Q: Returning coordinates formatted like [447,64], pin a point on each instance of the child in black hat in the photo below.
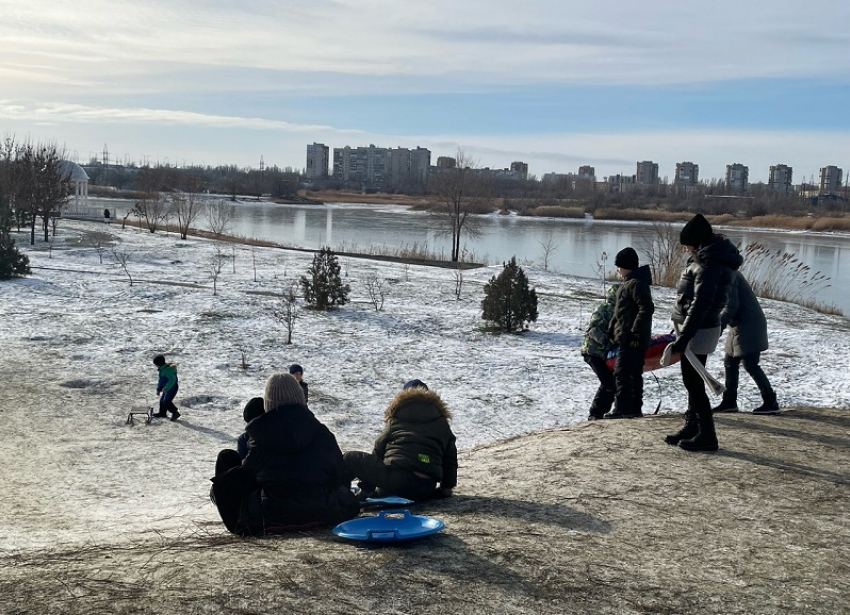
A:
[167,386]
[630,329]
[298,373]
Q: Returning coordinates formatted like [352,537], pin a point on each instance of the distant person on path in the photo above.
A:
[594,351]
[631,330]
[745,341]
[701,296]
[167,387]
[415,456]
[298,373]
[293,477]
[254,408]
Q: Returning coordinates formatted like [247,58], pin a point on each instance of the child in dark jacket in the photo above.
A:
[167,386]
[631,330]
[253,409]
[415,456]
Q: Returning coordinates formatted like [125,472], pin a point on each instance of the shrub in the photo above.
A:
[508,301]
[323,288]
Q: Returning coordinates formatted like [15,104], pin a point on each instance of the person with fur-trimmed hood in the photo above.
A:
[415,456]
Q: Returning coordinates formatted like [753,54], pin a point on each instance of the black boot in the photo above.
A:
[689,430]
[706,439]
[728,404]
[770,406]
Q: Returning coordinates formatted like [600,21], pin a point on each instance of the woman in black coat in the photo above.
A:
[701,296]
[293,476]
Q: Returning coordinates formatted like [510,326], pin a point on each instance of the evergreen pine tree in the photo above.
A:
[508,301]
[12,262]
[323,287]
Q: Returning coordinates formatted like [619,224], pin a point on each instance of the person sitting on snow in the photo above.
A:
[415,456]
[253,409]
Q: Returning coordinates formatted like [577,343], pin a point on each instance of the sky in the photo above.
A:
[80,341]
[552,83]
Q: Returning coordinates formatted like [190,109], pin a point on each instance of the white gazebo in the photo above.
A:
[77,204]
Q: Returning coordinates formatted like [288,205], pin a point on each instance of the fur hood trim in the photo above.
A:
[416,395]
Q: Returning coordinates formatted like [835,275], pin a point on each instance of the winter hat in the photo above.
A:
[254,408]
[696,232]
[626,258]
[295,368]
[414,383]
[159,360]
[282,389]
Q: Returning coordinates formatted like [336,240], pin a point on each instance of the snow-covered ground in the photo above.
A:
[82,475]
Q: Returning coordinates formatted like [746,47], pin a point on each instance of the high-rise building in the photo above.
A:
[647,173]
[317,161]
[446,162]
[830,179]
[521,168]
[737,177]
[369,166]
[687,174]
[780,178]
[587,172]
[409,166]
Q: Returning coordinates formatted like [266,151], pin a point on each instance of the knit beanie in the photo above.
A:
[159,360]
[254,408]
[295,368]
[414,383]
[282,389]
[626,258]
[696,232]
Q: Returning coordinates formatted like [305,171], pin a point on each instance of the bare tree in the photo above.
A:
[122,258]
[602,269]
[215,265]
[286,309]
[664,254]
[548,244]
[98,246]
[458,281]
[152,206]
[42,183]
[462,191]
[188,206]
[244,362]
[219,217]
[376,290]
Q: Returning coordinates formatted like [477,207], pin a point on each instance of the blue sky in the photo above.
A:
[556,84]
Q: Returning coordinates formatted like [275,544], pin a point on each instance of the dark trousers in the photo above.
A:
[374,473]
[731,367]
[607,388]
[628,380]
[166,401]
[231,485]
[695,386]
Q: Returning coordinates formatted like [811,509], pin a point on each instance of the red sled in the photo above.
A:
[652,357]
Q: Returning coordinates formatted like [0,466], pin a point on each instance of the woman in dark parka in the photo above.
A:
[293,476]
[701,296]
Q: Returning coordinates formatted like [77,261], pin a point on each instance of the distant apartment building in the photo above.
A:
[446,162]
[647,173]
[737,177]
[620,183]
[318,161]
[830,179]
[552,178]
[521,168]
[369,166]
[687,174]
[587,172]
[779,179]
[409,166]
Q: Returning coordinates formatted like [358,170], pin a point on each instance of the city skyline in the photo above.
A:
[555,86]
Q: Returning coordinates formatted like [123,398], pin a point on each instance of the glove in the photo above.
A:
[680,344]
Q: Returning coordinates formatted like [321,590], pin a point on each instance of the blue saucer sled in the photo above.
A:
[389,526]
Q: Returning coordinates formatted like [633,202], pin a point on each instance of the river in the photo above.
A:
[579,245]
